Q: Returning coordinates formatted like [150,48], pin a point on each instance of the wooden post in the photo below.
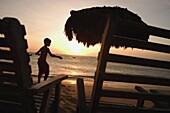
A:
[57,96]
[98,82]
[55,104]
[81,106]
[45,101]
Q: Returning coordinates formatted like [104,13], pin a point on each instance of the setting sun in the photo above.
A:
[63,46]
[75,48]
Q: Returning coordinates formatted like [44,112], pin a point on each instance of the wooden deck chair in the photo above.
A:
[17,92]
[101,75]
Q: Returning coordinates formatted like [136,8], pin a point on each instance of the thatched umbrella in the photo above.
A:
[87,25]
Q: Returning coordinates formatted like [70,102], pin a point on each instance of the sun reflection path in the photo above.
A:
[74,73]
[70,81]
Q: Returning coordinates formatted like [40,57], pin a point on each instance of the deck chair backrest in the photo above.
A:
[18,94]
[111,36]
[142,45]
[14,64]
[15,71]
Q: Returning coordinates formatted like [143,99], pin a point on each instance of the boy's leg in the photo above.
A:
[39,77]
[45,77]
[40,73]
[46,72]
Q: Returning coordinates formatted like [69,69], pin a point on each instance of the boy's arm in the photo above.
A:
[58,56]
[52,55]
[38,52]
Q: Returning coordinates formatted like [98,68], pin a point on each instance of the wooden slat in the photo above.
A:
[5,55]
[24,45]
[134,95]
[8,78]
[3,27]
[11,107]
[9,88]
[10,93]
[138,61]
[10,97]
[131,26]
[129,42]
[6,66]
[126,109]
[151,30]
[159,32]
[43,86]
[4,42]
[144,79]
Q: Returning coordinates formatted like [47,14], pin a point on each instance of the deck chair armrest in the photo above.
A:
[45,85]
[81,106]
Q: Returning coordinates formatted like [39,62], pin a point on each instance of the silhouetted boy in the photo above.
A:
[42,63]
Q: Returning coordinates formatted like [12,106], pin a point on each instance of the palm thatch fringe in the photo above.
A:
[87,25]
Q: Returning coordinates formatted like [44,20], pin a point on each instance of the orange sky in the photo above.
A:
[46,18]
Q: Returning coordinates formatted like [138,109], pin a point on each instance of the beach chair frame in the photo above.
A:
[108,39]
[17,91]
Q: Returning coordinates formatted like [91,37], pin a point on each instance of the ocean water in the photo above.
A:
[85,66]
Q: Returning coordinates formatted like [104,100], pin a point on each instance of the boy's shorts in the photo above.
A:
[43,67]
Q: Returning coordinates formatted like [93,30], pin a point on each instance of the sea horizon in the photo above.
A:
[85,66]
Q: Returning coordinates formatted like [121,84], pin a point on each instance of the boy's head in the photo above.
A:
[47,41]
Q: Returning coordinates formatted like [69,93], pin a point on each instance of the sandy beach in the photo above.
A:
[68,97]
[69,94]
